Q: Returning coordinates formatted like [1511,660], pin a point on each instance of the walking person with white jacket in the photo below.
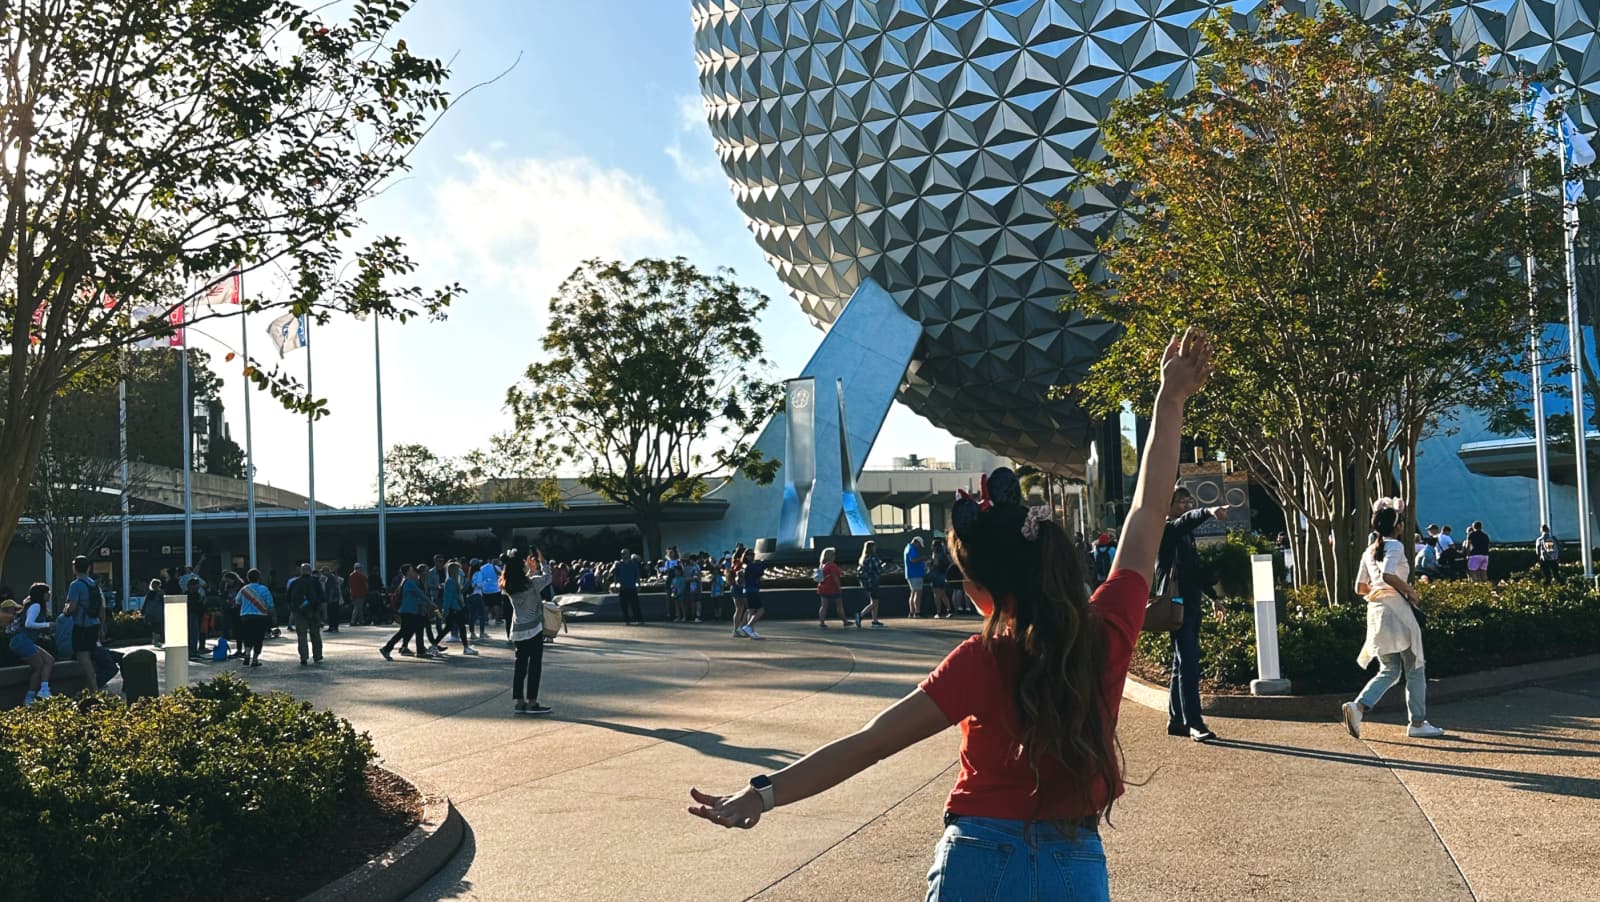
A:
[1394,637]
[527,630]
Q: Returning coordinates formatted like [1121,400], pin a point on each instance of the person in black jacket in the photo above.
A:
[1178,567]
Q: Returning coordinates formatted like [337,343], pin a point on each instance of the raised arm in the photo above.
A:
[1185,367]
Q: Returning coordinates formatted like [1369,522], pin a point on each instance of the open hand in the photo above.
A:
[742,810]
[1186,364]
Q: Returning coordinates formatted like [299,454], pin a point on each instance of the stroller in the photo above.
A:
[1453,562]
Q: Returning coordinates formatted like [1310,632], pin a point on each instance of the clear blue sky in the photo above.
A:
[593,145]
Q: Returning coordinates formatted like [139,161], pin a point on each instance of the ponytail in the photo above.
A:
[1383,523]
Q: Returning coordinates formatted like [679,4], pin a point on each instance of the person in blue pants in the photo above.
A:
[1178,567]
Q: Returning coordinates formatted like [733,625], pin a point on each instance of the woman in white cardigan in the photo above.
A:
[527,629]
[1394,637]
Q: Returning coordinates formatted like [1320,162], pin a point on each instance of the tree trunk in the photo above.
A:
[23,437]
[650,532]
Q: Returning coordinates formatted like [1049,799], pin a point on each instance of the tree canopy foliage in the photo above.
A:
[146,149]
[654,381]
[1339,203]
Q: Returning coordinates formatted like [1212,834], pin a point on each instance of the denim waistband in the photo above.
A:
[1088,822]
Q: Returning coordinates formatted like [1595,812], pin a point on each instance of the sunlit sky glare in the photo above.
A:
[592,145]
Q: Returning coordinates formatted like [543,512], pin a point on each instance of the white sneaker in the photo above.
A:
[744,631]
[435,650]
[470,651]
[750,631]
[1352,718]
[1424,730]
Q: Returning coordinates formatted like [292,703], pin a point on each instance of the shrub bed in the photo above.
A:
[105,800]
[1470,627]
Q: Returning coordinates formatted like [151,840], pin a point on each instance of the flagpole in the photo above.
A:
[1569,216]
[311,452]
[188,445]
[122,461]
[1541,451]
[383,505]
[249,439]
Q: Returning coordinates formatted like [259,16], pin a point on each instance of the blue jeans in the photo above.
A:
[1389,674]
[983,858]
[1183,702]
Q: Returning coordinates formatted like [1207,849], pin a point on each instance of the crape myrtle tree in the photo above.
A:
[146,149]
[1339,204]
[653,382]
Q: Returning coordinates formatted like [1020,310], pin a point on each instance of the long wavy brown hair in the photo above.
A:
[1042,600]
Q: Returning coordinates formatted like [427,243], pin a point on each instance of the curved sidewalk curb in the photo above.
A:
[1326,707]
[409,863]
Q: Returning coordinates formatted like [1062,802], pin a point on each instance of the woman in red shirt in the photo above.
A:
[1036,693]
[829,590]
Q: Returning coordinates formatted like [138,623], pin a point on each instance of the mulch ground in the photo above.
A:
[365,824]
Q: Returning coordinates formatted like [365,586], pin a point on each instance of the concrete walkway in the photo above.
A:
[590,803]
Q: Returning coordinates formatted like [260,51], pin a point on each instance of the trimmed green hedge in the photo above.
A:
[102,800]
[1470,627]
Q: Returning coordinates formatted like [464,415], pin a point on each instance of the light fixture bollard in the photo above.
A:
[175,640]
[1271,681]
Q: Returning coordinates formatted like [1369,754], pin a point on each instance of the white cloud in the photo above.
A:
[510,230]
[691,150]
[525,224]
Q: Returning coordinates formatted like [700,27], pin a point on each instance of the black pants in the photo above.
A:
[457,621]
[530,666]
[333,616]
[1547,571]
[436,630]
[630,605]
[252,632]
[410,625]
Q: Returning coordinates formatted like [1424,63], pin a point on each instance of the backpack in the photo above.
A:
[95,605]
[1549,549]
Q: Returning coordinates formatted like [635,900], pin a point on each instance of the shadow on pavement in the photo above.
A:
[712,744]
[1580,787]
[451,882]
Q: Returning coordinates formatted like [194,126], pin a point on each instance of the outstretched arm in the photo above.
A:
[909,720]
[1185,367]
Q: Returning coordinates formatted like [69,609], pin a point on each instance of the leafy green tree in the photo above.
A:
[1339,204]
[510,469]
[148,148]
[654,382]
[416,477]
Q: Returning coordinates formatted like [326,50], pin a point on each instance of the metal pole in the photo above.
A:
[1569,215]
[122,461]
[1536,383]
[249,439]
[383,505]
[311,455]
[188,450]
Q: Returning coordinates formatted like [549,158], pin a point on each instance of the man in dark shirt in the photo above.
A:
[1178,568]
[627,575]
[307,606]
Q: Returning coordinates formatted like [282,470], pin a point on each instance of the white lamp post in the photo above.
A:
[1271,681]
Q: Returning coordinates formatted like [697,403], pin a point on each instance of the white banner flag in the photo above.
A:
[225,291]
[288,333]
[174,318]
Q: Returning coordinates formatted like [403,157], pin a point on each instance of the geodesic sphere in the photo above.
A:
[920,141]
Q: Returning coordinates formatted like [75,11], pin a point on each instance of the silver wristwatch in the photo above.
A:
[763,786]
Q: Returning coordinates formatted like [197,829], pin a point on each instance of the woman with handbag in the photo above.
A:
[527,632]
[1036,693]
[1394,637]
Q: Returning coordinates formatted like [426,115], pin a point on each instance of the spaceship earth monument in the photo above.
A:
[919,142]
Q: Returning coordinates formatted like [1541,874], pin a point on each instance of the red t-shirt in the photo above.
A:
[830,580]
[975,687]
